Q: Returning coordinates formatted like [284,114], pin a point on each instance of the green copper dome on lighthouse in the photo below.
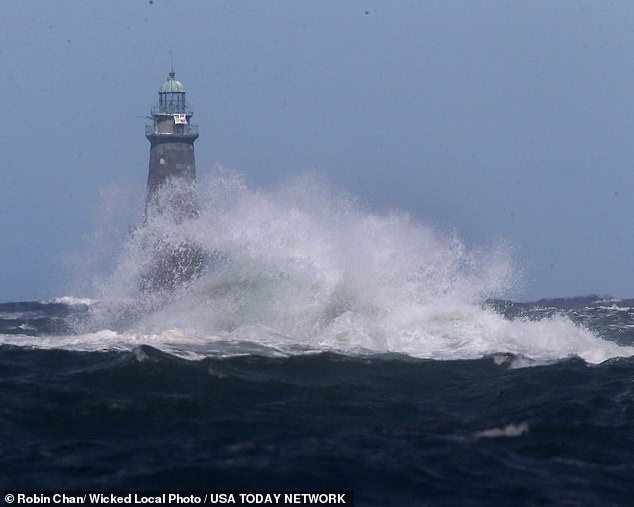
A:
[171,98]
[172,85]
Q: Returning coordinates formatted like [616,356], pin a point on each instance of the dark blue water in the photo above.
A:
[394,429]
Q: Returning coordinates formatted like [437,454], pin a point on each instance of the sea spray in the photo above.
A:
[304,268]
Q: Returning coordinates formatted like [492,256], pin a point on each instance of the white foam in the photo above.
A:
[304,268]
[508,431]
[15,315]
[68,300]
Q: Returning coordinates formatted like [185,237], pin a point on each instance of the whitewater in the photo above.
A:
[304,268]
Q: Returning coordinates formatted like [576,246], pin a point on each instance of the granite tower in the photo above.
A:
[172,160]
[171,194]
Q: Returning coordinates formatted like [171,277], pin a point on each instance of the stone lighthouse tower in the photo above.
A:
[172,260]
[172,162]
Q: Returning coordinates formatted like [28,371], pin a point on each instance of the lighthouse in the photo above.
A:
[172,162]
[172,260]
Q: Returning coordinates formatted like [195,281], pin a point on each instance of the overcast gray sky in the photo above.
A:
[505,120]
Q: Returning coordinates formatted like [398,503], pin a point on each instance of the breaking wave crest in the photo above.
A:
[303,267]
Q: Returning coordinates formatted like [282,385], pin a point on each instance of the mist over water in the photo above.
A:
[304,267]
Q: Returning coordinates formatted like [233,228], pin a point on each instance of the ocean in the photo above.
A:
[326,348]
